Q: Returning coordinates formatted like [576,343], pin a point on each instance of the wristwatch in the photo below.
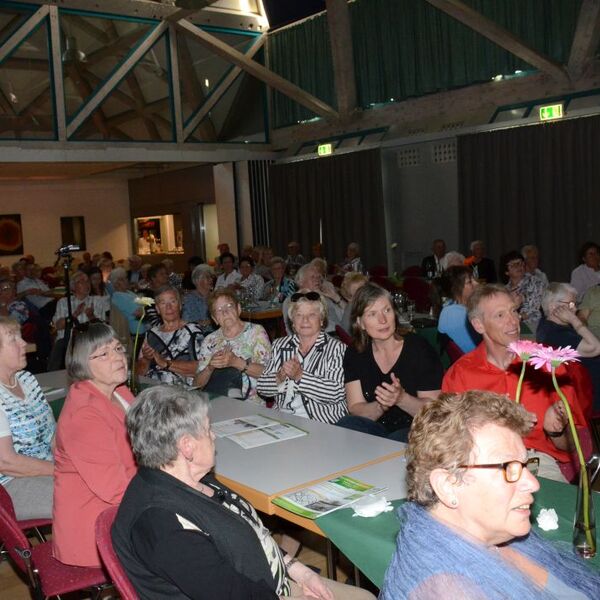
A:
[555,434]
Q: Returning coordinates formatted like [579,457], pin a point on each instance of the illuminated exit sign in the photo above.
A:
[325,149]
[553,111]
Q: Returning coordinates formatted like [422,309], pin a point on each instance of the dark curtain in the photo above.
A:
[538,184]
[408,48]
[345,192]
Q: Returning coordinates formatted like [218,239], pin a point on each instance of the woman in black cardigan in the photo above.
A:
[179,533]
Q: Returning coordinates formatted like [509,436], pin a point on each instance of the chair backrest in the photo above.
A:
[6,503]
[344,335]
[109,557]
[15,541]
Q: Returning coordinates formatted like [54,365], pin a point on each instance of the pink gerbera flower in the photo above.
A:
[524,349]
[548,357]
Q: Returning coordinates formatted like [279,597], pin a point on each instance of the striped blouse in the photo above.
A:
[321,387]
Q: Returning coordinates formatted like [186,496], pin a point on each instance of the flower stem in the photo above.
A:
[520,384]
[135,344]
[584,476]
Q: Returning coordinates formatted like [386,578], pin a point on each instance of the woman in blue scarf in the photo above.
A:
[465,530]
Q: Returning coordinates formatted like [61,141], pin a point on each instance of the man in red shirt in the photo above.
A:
[493,367]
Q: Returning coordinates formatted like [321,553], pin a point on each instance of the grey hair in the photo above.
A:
[302,271]
[555,292]
[525,250]
[75,277]
[168,288]
[452,259]
[8,324]
[118,273]
[474,243]
[201,271]
[158,419]
[82,345]
[168,263]
[322,302]
[483,292]
[276,260]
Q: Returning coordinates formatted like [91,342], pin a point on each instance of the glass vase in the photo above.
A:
[584,526]
[133,383]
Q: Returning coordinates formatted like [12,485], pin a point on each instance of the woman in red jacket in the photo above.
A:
[93,458]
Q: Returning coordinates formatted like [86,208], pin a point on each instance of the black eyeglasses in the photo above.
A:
[513,469]
[312,296]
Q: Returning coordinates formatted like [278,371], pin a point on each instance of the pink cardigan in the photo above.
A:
[93,465]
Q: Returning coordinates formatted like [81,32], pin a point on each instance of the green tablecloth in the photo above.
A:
[370,543]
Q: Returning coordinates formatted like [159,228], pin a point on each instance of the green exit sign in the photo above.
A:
[325,149]
[552,111]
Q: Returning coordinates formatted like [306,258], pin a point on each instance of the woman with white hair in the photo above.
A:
[309,278]
[305,375]
[562,327]
[195,302]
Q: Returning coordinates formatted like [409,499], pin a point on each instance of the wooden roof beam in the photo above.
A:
[340,38]
[257,70]
[586,38]
[500,36]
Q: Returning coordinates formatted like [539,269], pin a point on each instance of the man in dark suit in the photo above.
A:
[483,267]
[134,274]
[431,264]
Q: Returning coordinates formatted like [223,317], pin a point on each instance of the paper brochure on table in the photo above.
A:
[255,430]
[323,498]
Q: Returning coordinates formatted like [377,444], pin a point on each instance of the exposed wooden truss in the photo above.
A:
[586,38]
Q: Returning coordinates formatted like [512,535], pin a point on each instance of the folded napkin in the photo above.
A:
[371,506]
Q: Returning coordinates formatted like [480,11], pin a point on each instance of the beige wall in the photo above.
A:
[103,203]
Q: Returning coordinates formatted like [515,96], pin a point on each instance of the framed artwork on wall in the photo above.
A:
[72,231]
[11,235]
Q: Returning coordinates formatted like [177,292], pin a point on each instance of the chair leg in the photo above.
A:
[39,534]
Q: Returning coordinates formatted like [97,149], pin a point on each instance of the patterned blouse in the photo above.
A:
[253,343]
[29,421]
[183,344]
[237,505]
[531,289]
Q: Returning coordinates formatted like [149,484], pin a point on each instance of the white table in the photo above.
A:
[260,474]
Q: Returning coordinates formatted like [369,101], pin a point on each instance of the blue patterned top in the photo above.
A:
[29,421]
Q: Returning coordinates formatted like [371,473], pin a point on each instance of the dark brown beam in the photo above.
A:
[340,38]
[586,38]
[500,36]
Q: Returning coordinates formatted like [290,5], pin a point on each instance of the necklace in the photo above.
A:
[8,386]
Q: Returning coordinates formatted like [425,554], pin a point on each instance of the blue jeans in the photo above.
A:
[371,427]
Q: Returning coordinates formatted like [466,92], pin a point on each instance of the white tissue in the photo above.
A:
[547,519]
[371,506]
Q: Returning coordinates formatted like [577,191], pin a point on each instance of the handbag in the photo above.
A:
[229,382]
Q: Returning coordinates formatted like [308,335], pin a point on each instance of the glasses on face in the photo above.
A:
[104,355]
[570,304]
[219,310]
[513,469]
[312,296]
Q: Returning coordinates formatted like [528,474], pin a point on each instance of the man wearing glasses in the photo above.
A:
[493,313]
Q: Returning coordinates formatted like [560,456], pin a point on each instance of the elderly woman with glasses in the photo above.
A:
[465,530]
[180,533]
[170,351]
[524,287]
[233,357]
[305,375]
[93,459]
[562,327]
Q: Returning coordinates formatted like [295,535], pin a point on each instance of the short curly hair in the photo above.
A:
[441,436]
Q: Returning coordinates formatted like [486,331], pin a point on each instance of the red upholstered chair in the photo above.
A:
[343,335]
[26,525]
[109,557]
[46,575]
[378,271]
[453,351]
[419,291]
[413,271]
[570,469]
